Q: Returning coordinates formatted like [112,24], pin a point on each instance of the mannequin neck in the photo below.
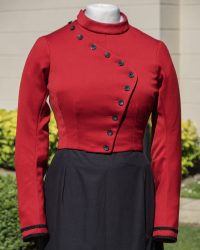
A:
[105,13]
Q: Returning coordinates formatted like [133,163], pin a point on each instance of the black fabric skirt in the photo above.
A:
[97,201]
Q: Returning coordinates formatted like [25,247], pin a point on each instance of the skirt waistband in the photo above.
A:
[85,158]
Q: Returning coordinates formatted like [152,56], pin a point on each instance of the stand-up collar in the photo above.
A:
[95,26]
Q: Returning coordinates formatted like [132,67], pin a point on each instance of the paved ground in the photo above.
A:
[189,208]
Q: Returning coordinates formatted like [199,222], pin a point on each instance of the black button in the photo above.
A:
[80,36]
[70,22]
[121,102]
[115,117]
[105,147]
[109,132]
[120,62]
[93,46]
[107,54]
[72,27]
[131,74]
[126,87]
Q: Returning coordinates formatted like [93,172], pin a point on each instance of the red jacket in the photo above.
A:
[103,82]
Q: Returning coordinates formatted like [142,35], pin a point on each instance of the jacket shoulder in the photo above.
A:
[143,36]
[58,33]
[152,46]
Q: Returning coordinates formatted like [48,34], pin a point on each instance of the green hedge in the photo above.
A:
[7,137]
[190,147]
[10,236]
[190,141]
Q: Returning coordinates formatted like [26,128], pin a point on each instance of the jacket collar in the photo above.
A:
[99,27]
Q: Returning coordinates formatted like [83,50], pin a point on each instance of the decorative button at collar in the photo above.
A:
[72,27]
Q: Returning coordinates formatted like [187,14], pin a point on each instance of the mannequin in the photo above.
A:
[105,13]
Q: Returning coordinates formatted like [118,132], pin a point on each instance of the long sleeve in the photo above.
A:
[166,149]
[32,140]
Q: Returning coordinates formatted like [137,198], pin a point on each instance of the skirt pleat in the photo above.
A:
[96,201]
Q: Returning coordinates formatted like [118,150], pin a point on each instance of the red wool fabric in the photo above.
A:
[98,77]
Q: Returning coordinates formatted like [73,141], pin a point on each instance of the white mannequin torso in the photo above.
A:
[105,13]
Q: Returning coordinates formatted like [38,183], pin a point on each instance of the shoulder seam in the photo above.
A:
[49,50]
[158,48]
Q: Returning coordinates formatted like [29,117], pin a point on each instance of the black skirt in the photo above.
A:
[97,201]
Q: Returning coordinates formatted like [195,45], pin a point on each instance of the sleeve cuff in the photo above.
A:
[33,237]
[30,232]
[165,234]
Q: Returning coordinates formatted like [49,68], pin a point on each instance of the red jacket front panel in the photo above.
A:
[98,77]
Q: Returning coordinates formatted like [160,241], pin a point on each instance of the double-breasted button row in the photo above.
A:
[72,27]
[126,87]
[110,132]
[107,54]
